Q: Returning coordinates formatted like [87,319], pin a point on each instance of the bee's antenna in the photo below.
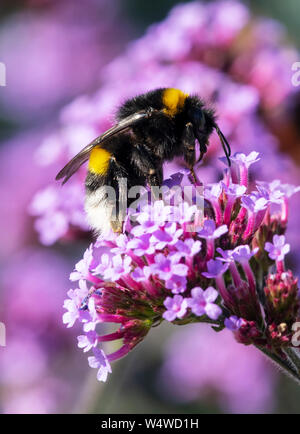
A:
[225,144]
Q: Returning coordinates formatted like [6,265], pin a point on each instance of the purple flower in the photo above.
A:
[140,274]
[99,361]
[73,303]
[87,341]
[141,245]
[169,235]
[152,217]
[245,160]
[56,209]
[183,213]
[215,269]
[90,318]
[254,204]
[187,248]
[243,253]
[177,284]
[120,266]
[234,190]
[233,323]
[52,227]
[271,192]
[226,255]
[82,268]
[165,268]
[202,302]
[214,192]
[209,230]
[122,245]
[278,249]
[104,264]
[72,315]
[176,308]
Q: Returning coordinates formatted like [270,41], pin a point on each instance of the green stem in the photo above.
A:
[284,365]
[294,357]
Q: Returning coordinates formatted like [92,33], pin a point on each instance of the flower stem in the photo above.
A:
[250,226]
[210,248]
[250,277]
[244,176]
[294,357]
[285,211]
[235,274]
[284,365]
[228,210]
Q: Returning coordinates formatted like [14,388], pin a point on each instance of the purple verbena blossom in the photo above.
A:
[99,361]
[176,307]
[215,269]
[202,302]
[233,323]
[278,248]
[210,231]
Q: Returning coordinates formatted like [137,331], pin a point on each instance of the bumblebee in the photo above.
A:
[150,129]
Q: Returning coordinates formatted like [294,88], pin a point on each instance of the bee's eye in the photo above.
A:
[198,118]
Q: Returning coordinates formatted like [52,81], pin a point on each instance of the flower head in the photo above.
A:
[202,302]
[176,307]
[215,268]
[278,248]
[100,362]
[245,160]
[210,231]
[243,253]
[233,323]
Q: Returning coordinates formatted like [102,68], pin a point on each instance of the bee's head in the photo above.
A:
[204,122]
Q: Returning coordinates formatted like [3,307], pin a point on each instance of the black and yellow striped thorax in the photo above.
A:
[173,101]
[99,161]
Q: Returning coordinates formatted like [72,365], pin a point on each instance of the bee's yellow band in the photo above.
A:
[173,100]
[99,161]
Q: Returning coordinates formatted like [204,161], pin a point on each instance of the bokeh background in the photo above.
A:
[68,65]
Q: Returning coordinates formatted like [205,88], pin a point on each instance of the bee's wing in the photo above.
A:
[82,156]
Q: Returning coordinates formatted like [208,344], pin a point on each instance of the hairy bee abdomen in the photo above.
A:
[106,198]
[97,207]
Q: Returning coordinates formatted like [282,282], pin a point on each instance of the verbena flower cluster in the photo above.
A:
[225,268]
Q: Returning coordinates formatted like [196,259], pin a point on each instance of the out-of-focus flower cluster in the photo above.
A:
[225,268]
[59,57]
[215,50]
[202,364]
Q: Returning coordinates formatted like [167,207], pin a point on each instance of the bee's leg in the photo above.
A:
[119,184]
[189,153]
[144,163]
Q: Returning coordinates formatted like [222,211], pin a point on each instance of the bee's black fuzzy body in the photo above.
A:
[151,129]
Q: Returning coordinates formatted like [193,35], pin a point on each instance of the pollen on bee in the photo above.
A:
[173,100]
[99,160]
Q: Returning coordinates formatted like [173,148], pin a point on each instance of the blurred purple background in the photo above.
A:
[69,65]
